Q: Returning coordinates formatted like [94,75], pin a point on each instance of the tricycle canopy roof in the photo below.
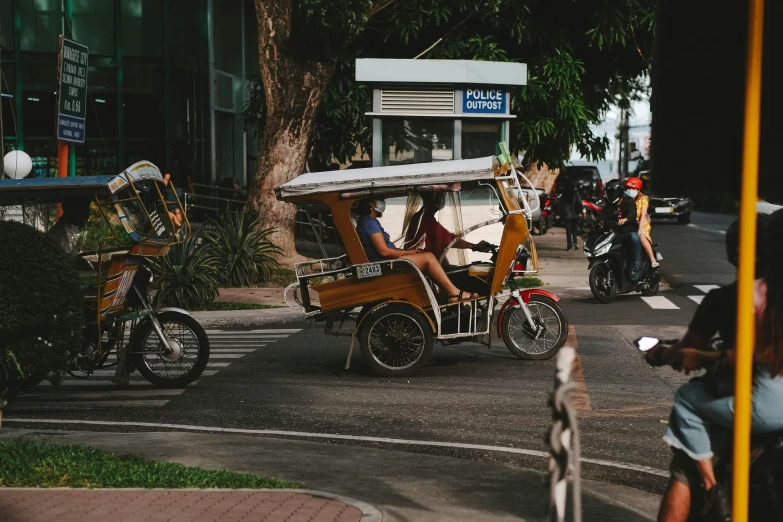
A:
[53,190]
[397,176]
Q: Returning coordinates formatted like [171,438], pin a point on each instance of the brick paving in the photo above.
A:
[162,505]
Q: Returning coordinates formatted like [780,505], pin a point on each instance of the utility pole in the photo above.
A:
[2,134]
[624,143]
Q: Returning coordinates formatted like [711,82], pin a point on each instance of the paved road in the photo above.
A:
[470,401]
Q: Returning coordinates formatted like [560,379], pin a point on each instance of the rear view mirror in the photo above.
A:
[646,344]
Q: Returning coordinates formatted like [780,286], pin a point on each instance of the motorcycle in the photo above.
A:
[547,219]
[608,273]
[766,462]
[591,215]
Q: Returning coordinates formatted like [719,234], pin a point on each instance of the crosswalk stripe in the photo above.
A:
[659,302]
[217,364]
[696,298]
[226,355]
[706,288]
[77,405]
[113,394]
[232,350]
[110,373]
[270,331]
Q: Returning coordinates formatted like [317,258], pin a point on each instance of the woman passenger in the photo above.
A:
[633,188]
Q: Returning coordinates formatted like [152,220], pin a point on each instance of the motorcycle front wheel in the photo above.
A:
[601,284]
[525,342]
[186,361]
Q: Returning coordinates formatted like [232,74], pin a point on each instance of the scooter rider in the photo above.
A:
[622,210]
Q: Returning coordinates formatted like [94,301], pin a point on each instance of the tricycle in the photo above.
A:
[398,309]
[144,219]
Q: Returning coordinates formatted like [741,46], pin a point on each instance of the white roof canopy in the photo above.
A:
[418,174]
[393,70]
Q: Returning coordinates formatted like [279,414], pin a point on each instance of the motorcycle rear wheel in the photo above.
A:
[600,284]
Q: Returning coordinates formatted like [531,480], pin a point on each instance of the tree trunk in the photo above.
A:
[293,87]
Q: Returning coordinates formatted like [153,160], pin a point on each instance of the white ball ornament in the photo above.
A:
[17,164]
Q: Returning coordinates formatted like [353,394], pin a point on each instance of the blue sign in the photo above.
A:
[484,101]
[72,95]
[70,128]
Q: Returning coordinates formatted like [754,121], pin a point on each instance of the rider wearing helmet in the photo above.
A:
[633,189]
[623,209]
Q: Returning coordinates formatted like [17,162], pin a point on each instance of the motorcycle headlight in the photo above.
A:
[599,251]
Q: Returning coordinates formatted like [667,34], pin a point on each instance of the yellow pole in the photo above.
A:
[747,263]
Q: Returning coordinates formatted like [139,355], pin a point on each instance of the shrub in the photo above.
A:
[244,253]
[186,277]
[41,303]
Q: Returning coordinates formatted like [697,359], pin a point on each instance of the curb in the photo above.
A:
[369,512]
[248,317]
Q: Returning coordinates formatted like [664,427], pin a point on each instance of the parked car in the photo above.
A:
[670,209]
[586,178]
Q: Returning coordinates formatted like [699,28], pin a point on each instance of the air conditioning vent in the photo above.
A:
[417,100]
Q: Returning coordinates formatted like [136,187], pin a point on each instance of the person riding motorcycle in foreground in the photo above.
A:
[621,209]
[702,404]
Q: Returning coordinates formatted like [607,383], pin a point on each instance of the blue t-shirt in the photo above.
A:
[366,227]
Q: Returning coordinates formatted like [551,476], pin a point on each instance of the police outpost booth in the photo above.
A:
[435,110]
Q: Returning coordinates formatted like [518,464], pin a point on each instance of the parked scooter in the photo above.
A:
[766,465]
[608,266]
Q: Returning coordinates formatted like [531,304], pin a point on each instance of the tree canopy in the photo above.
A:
[582,56]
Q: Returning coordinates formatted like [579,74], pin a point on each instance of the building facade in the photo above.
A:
[167,80]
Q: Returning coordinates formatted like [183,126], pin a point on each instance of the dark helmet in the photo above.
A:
[614,189]
[762,242]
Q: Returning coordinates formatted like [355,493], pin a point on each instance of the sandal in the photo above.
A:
[716,505]
[462,296]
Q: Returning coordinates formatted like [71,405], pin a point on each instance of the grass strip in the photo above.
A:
[31,463]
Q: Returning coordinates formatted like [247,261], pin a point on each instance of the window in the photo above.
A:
[417,141]
[41,24]
[6,26]
[39,99]
[479,138]
[8,80]
[142,32]
[93,26]
[143,91]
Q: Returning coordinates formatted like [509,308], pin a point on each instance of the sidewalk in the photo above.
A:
[175,505]
[403,485]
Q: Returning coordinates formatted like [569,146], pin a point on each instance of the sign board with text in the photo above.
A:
[484,101]
[72,91]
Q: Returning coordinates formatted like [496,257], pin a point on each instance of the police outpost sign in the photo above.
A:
[72,93]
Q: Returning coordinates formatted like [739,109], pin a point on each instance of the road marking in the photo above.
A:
[659,302]
[334,436]
[110,373]
[722,232]
[75,405]
[706,288]
[226,355]
[123,394]
[696,298]
[217,364]
[579,399]
[231,350]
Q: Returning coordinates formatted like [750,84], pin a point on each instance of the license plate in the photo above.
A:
[364,271]
[664,210]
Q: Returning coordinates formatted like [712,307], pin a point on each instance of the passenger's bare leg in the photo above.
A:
[647,247]
[676,502]
[429,265]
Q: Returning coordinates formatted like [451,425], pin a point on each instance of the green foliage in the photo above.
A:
[243,254]
[186,277]
[582,56]
[28,463]
[97,230]
[41,304]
